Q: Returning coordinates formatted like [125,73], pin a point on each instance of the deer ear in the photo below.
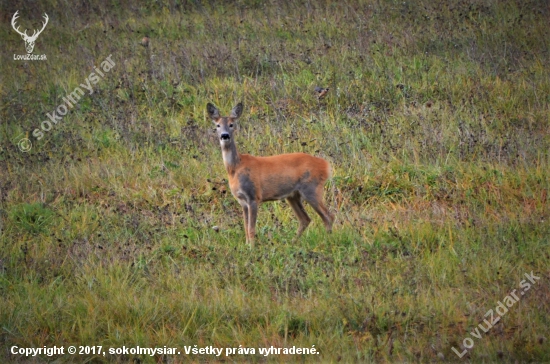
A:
[212,111]
[237,111]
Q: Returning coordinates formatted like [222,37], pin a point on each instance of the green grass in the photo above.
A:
[437,126]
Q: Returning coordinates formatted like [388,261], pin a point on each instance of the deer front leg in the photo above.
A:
[252,216]
[245,217]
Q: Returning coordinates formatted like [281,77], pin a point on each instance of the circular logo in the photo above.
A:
[24,145]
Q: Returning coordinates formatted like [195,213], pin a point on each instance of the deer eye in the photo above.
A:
[218,125]
[230,125]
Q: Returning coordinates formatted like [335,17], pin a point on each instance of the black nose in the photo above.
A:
[224,136]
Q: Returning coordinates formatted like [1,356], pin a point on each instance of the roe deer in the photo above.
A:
[253,180]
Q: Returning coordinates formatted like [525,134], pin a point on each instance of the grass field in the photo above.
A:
[437,127]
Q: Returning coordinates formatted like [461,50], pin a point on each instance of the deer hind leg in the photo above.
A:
[315,199]
[303,218]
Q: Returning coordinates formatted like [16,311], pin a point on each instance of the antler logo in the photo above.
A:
[29,41]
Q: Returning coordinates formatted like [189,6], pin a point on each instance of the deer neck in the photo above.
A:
[231,157]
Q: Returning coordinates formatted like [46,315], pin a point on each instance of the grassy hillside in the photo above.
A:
[437,126]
